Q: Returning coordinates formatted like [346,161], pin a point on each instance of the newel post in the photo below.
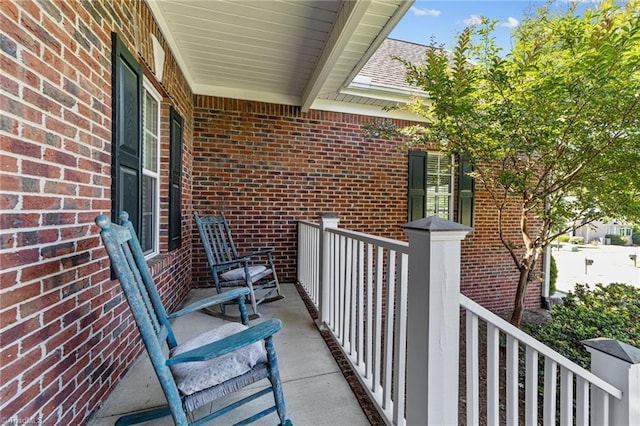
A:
[618,364]
[327,220]
[433,321]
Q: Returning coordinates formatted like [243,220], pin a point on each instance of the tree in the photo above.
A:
[553,125]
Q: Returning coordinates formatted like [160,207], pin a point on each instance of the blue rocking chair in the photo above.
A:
[202,369]
[254,270]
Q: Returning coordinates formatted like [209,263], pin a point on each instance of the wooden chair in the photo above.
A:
[202,369]
[254,270]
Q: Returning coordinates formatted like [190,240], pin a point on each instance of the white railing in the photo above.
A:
[308,259]
[522,358]
[394,309]
[367,276]
[367,313]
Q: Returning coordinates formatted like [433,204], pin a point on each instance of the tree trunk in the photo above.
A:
[521,291]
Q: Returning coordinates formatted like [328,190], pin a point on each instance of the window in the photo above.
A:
[439,185]
[431,186]
[136,153]
[150,167]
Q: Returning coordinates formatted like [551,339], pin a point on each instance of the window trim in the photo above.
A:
[149,88]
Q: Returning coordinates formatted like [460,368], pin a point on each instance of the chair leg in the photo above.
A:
[275,275]
[252,298]
[274,378]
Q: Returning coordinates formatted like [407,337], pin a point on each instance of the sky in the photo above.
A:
[445,19]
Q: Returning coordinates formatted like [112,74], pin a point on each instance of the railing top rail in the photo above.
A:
[540,347]
[388,243]
[309,223]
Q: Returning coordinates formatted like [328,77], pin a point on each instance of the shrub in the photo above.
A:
[563,238]
[617,240]
[635,237]
[610,311]
[576,240]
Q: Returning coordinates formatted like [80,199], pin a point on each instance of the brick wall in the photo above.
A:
[66,332]
[268,166]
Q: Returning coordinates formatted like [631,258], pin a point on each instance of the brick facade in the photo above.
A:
[66,332]
[267,166]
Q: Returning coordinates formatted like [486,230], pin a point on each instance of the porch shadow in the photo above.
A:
[315,389]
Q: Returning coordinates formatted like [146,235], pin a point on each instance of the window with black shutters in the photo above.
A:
[431,186]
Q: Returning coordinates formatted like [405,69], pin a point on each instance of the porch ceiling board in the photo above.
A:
[289,52]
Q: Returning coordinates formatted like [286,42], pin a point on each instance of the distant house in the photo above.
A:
[163,109]
[597,231]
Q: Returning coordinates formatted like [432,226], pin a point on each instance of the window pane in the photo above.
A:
[150,149]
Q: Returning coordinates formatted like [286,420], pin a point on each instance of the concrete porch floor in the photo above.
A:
[315,390]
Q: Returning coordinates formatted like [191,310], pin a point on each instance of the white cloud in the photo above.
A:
[473,20]
[511,22]
[424,12]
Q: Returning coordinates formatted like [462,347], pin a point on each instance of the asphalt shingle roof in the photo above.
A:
[383,70]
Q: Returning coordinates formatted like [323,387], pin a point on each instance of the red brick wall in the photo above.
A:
[267,166]
[66,332]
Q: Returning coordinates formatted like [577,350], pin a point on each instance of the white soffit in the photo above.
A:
[287,52]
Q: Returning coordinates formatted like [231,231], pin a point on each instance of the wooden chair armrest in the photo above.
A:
[227,296]
[230,343]
[258,252]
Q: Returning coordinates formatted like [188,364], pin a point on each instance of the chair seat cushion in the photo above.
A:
[192,377]
[238,273]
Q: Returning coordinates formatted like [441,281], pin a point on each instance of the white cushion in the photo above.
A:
[238,273]
[192,377]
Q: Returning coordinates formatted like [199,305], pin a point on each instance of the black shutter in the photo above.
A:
[417,185]
[175,181]
[465,192]
[127,133]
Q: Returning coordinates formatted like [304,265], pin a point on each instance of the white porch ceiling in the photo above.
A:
[288,52]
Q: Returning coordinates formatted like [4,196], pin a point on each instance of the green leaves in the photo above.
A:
[558,114]
[610,311]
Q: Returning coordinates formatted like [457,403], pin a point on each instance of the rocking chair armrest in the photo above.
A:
[258,252]
[240,259]
[228,344]
[217,299]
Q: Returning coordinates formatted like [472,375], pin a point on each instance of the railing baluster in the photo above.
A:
[361,305]
[512,380]
[370,311]
[566,397]
[400,338]
[388,341]
[353,338]
[531,387]
[377,353]
[473,371]
[599,415]
[346,296]
[582,402]
[335,248]
[549,408]
[493,370]
[341,283]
